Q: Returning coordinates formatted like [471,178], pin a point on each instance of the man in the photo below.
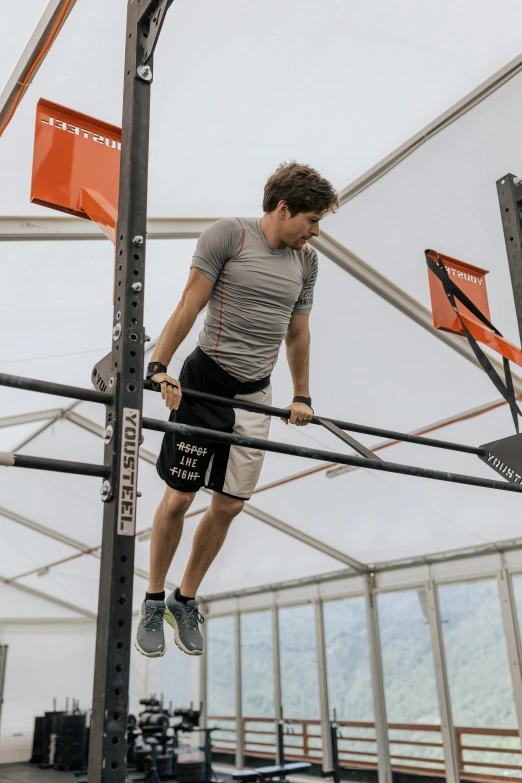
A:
[256,278]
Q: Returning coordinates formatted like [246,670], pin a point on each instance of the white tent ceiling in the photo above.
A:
[238,88]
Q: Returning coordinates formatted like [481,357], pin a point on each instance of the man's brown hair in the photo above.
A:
[303,189]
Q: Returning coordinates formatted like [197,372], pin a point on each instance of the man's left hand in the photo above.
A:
[300,414]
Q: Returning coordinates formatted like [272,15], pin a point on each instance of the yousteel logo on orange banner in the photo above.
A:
[77,130]
[74,154]
[463,275]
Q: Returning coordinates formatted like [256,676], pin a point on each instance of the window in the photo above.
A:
[478,673]
[299,682]
[410,689]
[174,677]
[349,678]
[347,659]
[221,681]
[257,683]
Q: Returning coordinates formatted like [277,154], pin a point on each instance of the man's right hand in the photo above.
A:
[170,390]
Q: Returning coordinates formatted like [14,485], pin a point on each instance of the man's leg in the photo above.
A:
[208,539]
[182,608]
[166,533]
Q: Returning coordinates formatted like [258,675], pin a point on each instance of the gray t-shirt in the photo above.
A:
[257,289]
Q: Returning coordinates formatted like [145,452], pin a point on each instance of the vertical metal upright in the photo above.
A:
[203,676]
[509,191]
[379,704]
[449,739]
[323,686]
[3,665]
[512,634]
[278,694]
[108,735]
[240,738]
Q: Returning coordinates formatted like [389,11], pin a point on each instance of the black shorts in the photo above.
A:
[187,463]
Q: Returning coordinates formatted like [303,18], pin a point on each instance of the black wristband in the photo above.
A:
[304,400]
[153,368]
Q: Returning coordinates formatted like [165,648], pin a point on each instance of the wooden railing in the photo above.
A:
[484,754]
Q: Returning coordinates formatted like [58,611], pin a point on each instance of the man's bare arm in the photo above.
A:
[194,298]
[298,356]
[298,353]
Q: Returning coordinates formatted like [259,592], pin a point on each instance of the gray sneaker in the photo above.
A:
[150,639]
[185,619]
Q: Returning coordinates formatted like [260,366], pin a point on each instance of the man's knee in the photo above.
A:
[226,508]
[176,502]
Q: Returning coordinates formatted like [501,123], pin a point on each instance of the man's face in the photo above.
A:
[296,231]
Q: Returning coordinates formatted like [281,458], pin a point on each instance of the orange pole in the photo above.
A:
[23,87]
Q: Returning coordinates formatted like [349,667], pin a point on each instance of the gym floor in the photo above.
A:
[31,773]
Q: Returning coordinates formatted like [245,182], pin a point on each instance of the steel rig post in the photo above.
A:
[108,735]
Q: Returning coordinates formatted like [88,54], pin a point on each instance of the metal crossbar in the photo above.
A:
[105,398]
[59,389]
[281,448]
[343,425]
[328,456]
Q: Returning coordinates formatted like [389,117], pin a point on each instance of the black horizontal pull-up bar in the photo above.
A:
[9,460]
[326,456]
[105,398]
[344,425]
[59,389]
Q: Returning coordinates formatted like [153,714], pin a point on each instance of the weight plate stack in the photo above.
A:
[191,771]
[38,754]
[72,739]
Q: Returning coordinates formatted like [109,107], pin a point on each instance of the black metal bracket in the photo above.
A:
[358,447]
[152,12]
[505,457]
[101,373]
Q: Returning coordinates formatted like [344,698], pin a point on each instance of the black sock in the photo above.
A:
[155,596]
[183,598]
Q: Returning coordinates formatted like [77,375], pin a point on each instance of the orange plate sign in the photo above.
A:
[471,280]
[71,152]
